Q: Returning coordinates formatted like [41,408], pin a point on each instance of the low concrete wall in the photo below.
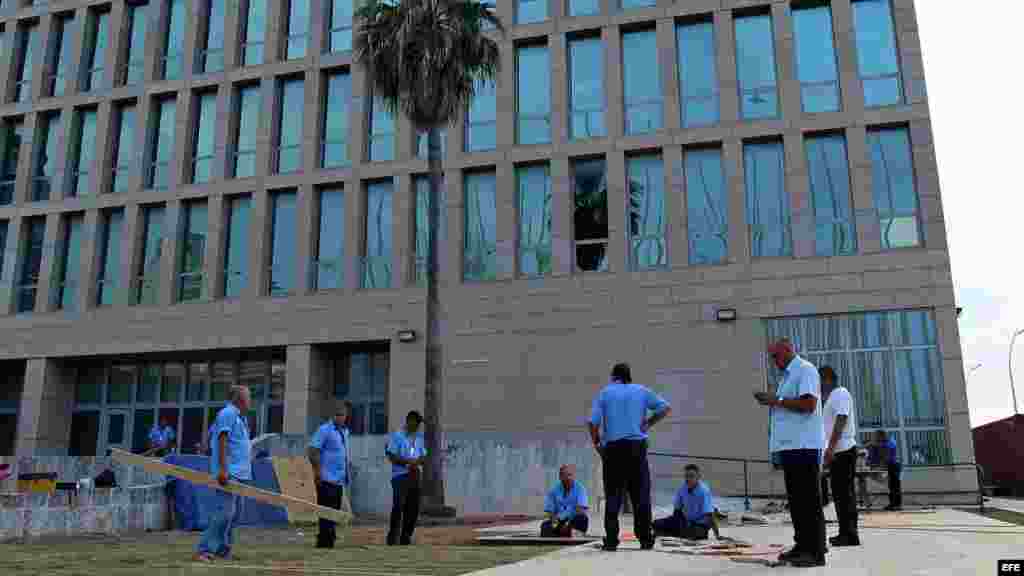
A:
[95,511]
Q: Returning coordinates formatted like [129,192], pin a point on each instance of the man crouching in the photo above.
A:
[565,507]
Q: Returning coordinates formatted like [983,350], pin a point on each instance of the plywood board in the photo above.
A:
[295,477]
[194,476]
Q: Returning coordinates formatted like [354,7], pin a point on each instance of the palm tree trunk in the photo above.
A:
[433,488]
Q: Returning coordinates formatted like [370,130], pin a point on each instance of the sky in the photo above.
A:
[976,96]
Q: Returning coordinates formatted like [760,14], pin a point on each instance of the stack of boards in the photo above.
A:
[735,550]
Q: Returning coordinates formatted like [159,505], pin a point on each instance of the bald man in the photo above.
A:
[565,508]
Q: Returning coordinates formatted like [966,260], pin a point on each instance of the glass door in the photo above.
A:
[116,426]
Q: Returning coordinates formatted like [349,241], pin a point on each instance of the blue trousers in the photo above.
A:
[219,534]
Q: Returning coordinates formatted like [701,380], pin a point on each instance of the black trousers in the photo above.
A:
[844,464]
[895,488]
[405,509]
[625,470]
[328,495]
[824,487]
[802,471]
[677,526]
[579,522]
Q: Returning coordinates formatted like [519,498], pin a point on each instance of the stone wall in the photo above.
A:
[94,511]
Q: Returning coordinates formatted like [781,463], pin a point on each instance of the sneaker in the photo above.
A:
[608,547]
[807,561]
[202,557]
[789,554]
[649,545]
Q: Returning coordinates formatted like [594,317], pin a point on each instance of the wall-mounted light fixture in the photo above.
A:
[725,314]
[406,335]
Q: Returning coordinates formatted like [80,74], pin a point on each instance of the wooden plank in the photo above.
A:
[194,476]
[295,477]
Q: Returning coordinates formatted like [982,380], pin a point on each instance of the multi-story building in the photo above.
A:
[200,193]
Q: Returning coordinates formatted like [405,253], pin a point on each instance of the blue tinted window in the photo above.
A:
[163,145]
[31,264]
[110,264]
[834,231]
[330,250]
[283,239]
[707,207]
[212,56]
[205,138]
[627,4]
[698,74]
[768,214]
[755,67]
[528,11]
[534,198]
[253,32]
[647,212]
[590,214]
[895,191]
[423,233]
[533,95]
[341,25]
[289,134]
[85,132]
[641,82]
[336,111]
[816,65]
[482,118]
[877,56]
[298,29]
[3,248]
[124,147]
[382,132]
[376,267]
[236,254]
[584,7]
[480,259]
[174,46]
[68,264]
[586,88]
[134,70]
[148,280]
[191,281]
[249,101]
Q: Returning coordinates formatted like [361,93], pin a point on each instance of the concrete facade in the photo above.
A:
[525,355]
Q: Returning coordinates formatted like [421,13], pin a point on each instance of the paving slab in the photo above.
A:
[948,541]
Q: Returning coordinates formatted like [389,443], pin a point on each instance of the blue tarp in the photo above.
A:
[192,504]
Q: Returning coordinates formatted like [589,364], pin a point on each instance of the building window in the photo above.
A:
[192,278]
[161,144]
[31,262]
[533,184]
[376,263]
[68,264]
[382,132]
[482,118]
[174,42]
[530,11]
[707,207]
[236,252]
[254,27]
[533,95]
[698,74]
[755,67]
[584,7]
[339,31]
[46,157]
[590,214]
[586,88]
[329,266]
[283,236]
[894,187]
[147,280]
[28,38]
[298,29]
[288,148]
[124,148]
[816,66]
[83,147]
[211,53]
[422,144]
[361,377]
[337,106]
[424,235]
[204,143]
[14,132]
[627,4]
[134,70]
[891,363]
[110,257]
[480,242]
[647,245]
[768,214]
[827,165]
[60,54]
[878,60]
[3,248]
[95,50]
[641,82]
[248,101]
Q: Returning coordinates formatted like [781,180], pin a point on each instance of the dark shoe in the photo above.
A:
[609,547]
[789,554]
[893,508]
[647,545]
[840,541]
[807,561]
[325,546]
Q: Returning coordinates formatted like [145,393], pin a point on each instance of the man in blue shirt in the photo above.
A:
[565,507]
[229,460]
[328,452]
[883,452]
[618,428]
[161,437]
[692,510]
[406,453]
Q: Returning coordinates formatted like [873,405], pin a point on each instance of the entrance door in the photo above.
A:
[116,430]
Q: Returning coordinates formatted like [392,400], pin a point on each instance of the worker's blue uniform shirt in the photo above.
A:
[620,409]
[400,445]
[694,503]
[161,436]
[239,461]
[875,454]
[563,504]
[332,442]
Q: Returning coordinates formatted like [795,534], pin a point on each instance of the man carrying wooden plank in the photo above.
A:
[328,452]
[229,458]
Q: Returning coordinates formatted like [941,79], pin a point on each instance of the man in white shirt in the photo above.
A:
[841,454]
[797,439]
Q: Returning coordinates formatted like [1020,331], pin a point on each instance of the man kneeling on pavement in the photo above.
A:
[565,507]
[693,510]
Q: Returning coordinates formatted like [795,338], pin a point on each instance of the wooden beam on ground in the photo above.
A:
[342,517]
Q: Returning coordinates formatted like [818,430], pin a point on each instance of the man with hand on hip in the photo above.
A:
[407,454]
[328,452]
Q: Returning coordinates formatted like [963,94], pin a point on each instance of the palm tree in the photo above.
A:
[423,58]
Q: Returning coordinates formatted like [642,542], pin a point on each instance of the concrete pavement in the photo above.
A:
[947,541]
